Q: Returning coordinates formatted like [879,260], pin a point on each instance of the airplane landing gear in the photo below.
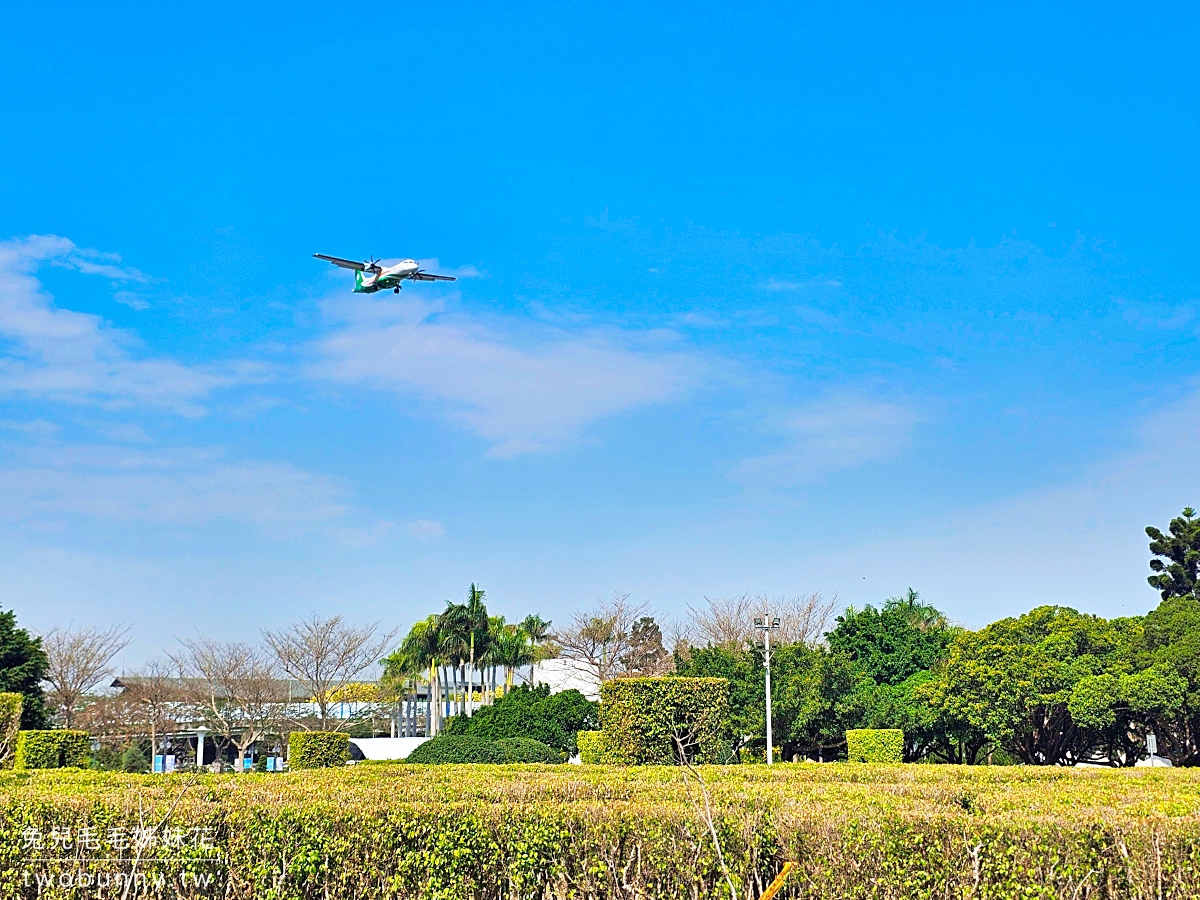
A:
[395,290]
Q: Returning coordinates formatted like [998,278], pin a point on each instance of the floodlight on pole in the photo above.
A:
[766,626]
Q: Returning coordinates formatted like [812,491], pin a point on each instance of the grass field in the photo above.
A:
[390,830]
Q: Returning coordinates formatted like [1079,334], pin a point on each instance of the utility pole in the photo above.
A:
[766,626]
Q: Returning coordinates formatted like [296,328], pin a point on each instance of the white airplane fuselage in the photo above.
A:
[386,278]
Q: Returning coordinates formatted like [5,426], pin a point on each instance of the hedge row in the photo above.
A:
[646,720]
[317,749]
[596,749]
[440,832]
[54,749]
[875,745]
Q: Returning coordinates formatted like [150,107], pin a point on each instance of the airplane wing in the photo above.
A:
[425,276]
[344,263]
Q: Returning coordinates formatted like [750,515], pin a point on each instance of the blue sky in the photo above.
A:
[774,298]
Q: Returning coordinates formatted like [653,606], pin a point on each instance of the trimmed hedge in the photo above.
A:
[317,749]
[643,717]
[11,704]
[455,748]
[391,830]
[55,749]
[596,750]
[875,745]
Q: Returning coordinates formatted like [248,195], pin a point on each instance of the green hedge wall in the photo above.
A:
[643,716]
[875,745]
[595,749]
[456,748]
[10,725]
[317,749]
[55,749]
[594,833]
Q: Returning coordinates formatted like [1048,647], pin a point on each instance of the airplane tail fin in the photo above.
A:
[358,279]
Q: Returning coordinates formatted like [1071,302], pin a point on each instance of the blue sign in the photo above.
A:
[159,763]
[270,764]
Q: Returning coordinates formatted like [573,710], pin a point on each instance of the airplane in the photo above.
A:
[372,275]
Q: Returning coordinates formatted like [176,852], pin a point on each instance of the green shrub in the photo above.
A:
[317,749]
[875,745]
[10,725]
[458,748]
[527,750]
[55,749]
[523,712]
[134,760]
[643,717]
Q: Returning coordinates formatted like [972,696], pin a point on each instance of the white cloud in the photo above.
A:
[840,431]
[181,487]
[425,528]
[525,396]
[434,265]
[60,354]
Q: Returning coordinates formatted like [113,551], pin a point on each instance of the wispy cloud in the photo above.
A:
[59,354]
[434,265]
[522,392]
[840,431]
[1080,542]
[172,487]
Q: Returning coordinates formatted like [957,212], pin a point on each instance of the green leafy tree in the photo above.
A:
[894,643]
[1180,548]
[1013,681]
[1170,644]
[23,668]
[893,651]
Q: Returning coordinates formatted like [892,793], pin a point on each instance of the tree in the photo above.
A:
[646,656]
[729,621]
[325,655]
[1170,642]
[512,649]
[599,642]
[23,668]
[77,661]
[420,653]
[537,630]
[154,691]
[894,643]
[235,690]
[1181,549]
[1014,681]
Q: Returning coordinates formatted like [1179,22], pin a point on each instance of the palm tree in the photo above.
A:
[420,650]
[512,650]
[537,630]
[477,622]
[455,633]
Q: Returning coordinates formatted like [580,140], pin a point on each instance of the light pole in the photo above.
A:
[766,626]
[200,732]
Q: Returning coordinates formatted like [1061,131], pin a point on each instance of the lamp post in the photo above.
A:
[200,732]
[766,626]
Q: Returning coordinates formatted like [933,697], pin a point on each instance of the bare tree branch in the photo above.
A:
[325,655]
[729,621]
[78,660]
[235,689]
[616,638]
